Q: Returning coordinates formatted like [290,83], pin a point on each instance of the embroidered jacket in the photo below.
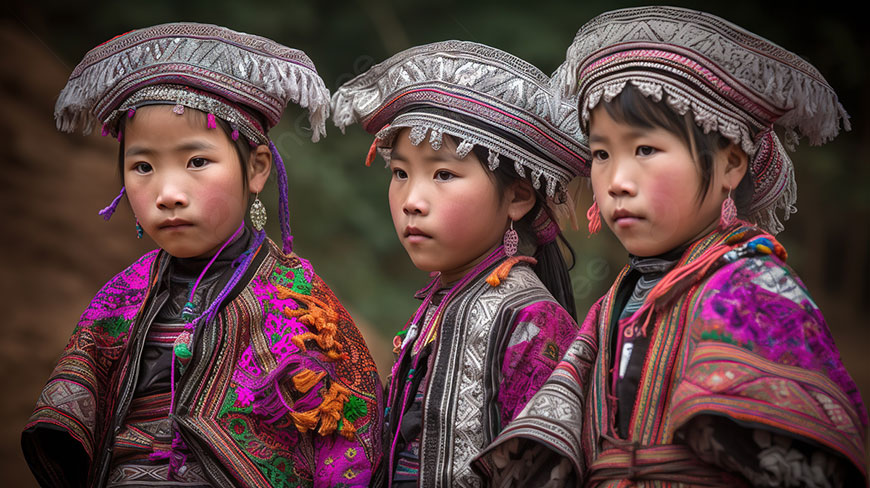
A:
[495,346]
[739,356]
[280,391]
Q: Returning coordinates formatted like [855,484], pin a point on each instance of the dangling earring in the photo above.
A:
[258,214]
[139,230]
[594,217]
[511,240]
[729,212]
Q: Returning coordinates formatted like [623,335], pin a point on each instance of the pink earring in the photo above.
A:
[594,217]
[728,215]
[511,241]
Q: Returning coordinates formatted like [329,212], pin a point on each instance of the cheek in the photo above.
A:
[395,201]
[138,199]
[222,204]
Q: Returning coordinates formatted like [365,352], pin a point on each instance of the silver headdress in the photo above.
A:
[479,95]
[206,67]
[244,79]
[733,82]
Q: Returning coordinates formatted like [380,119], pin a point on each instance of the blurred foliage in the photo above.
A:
[339,207]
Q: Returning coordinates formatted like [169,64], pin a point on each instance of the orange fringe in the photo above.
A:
[306,380]
[317,315]
[328,413]
[498,274]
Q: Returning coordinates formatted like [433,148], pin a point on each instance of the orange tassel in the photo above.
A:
[501,272]
[306,380]
[348,431]
[373,151]
[317,315]
[332,408]
[305,421]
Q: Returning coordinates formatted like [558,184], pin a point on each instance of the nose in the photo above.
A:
[415,202]
[622,179]
[171,195]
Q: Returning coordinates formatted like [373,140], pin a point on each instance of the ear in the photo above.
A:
[521,198]
[259,166]
[734,165]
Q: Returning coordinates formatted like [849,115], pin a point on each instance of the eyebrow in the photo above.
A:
[634,133]
[196,145]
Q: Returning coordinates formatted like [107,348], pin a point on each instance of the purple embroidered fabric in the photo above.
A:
[765,308]
[542,333]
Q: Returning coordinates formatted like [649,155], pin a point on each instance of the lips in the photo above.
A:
[414,234]
[623,218]
[174,224]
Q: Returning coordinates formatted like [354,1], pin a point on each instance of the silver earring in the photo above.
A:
[511,240]
[258,213]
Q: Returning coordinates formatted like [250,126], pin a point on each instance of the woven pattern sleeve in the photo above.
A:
[312,384]
[73,406]
[760,353]
[541,334]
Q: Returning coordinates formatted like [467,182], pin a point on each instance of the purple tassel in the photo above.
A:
[105,131]
[235,134]
[119,136]
[107,212]
[283,205]
[131,113]
[212,123]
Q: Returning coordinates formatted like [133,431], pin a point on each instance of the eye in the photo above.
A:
[197,162]
[646,151]
[444,175]
[600,155]
[399,174]
[142,168]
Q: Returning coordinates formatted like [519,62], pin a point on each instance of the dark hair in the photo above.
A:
[242,144]
[633,108]
[551,268]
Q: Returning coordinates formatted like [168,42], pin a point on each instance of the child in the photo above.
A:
[478,147]
[219,359]
[714,366]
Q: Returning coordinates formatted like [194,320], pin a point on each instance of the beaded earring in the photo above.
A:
[139,230]
[511,241]
[728,214]
[258,213]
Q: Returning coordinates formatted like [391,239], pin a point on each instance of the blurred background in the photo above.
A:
[56,251]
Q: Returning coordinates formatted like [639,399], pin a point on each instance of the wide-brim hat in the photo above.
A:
[732,81]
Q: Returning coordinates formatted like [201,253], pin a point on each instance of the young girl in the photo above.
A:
[479,148]
[219,359]
[714,366]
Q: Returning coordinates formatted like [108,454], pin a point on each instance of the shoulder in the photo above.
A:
[758,298]
[115,306]
[760,305]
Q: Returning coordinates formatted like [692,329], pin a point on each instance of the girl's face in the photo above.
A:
[184,181]
[647,185]
[446,210]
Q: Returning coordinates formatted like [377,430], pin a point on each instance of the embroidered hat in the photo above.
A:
[476,93]
[734,82]
[244,79]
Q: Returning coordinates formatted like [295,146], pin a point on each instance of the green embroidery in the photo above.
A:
[229,404]
[293,278]
[300,284]
[278,469]
[354,408]
[715,335]
[113,326]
